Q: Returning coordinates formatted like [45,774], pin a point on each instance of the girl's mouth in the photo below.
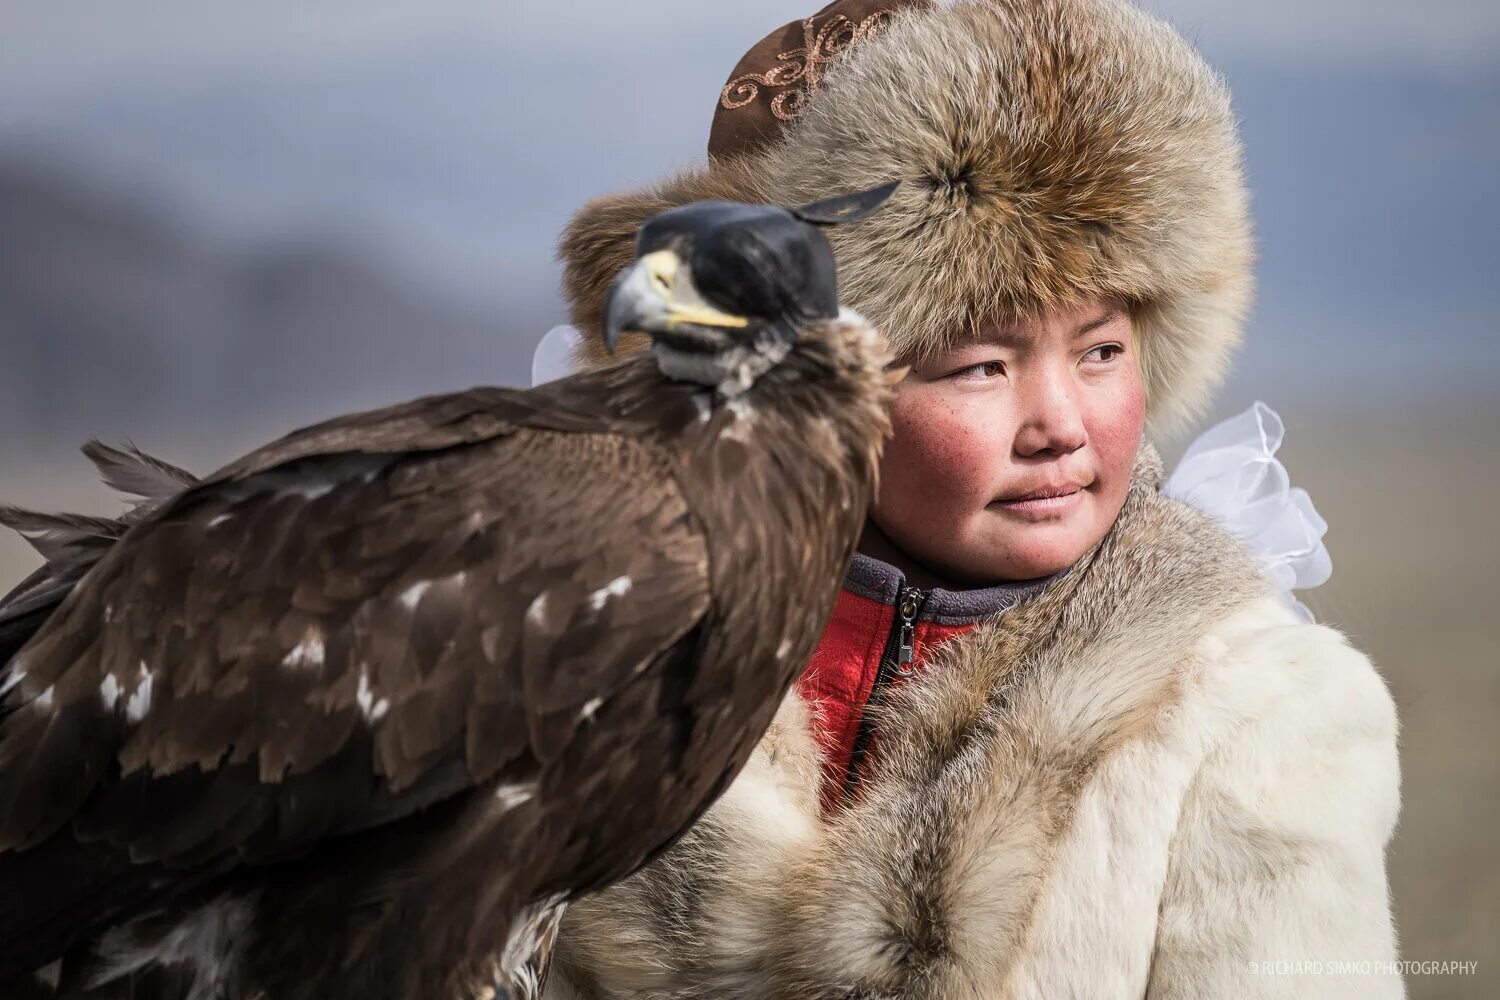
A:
[1041,503]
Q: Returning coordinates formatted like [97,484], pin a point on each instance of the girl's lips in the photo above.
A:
[1042,506]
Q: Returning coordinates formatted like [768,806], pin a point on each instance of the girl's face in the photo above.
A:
[1012,453]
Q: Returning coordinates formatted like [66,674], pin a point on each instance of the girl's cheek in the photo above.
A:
[940,448]
[1117,421]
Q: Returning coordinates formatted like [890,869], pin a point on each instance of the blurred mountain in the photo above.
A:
[117,320]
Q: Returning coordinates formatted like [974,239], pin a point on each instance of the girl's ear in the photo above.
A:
[846,207]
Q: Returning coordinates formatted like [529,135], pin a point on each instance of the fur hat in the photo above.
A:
[1050,150]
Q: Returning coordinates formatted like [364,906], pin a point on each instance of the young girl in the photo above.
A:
[1063,736]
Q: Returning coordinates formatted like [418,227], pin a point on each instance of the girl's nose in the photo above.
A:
[1051,421]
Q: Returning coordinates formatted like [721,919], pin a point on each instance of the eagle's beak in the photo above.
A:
[656,294]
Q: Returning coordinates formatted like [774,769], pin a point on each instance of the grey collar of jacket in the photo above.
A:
[883,582]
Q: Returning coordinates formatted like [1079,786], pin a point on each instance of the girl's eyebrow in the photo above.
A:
[1114,313]
[1006,336]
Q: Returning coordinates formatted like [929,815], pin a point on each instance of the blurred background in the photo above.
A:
[221,220]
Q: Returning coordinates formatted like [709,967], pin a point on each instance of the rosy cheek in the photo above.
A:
[939,452]
[1116,421]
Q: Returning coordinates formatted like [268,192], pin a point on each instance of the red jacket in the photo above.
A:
[882,632]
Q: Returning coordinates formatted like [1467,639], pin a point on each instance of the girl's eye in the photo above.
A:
[1105,352]
[983,370]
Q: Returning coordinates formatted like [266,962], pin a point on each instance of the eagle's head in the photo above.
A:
[724,289]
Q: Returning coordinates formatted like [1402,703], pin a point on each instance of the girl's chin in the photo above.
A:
[993,549]
[1034,551]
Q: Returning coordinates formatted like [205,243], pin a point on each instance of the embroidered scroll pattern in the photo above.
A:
[819,47]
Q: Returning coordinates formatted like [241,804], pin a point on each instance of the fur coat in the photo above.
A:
[1151,779]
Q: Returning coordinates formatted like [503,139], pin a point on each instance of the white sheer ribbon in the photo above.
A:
[553,357]
[1230,471]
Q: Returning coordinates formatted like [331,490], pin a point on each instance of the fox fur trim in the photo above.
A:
[1050,151]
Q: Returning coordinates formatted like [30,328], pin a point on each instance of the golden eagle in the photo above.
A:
[354,716]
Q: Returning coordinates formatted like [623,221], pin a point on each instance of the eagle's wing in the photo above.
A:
[73,543]
[343,628]
[442,421]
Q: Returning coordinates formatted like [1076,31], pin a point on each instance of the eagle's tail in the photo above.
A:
[73,543]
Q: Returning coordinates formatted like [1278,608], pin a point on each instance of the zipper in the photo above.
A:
[896,658]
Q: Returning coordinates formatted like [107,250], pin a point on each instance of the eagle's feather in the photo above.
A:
[72,543]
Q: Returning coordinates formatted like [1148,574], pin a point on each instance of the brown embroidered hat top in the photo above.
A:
[772,82]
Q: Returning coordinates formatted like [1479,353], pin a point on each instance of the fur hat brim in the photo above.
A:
[1050,151]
